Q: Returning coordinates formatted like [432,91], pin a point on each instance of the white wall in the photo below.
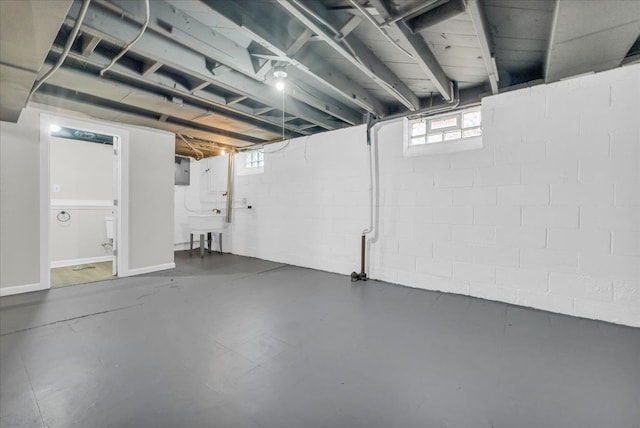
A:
[19,201]
[545,215]
[82,176]
[150,192]
[151,204]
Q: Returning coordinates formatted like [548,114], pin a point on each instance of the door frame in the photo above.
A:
[121,211]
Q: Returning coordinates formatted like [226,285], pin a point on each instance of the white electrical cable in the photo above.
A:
[198,152]
[128,46]
[288,141]
[65,52]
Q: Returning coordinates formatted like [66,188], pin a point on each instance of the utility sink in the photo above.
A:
[206,222]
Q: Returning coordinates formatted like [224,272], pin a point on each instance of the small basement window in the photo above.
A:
[445,133]
[254,159]
[250,162]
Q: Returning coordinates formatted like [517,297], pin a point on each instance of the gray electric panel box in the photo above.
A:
[183,168]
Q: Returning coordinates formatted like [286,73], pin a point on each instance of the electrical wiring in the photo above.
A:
[199,154]
[128,46]
[65,52]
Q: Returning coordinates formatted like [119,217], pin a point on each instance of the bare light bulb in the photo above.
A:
[280,85]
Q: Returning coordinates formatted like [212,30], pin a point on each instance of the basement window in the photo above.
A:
[254,159]
[445,133]
[250,162]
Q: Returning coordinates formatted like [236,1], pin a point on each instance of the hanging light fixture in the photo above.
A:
[281,73]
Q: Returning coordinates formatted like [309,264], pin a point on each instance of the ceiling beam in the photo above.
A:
[49,96]
[584,39]
[361,57]
[350,25]
[252,25]
[89,44]
[420,52]
[176,25]
[476,11]
[155,47]
[420,8]
[164,84]
[28,28]
[149,67]
[436,15]
[110,93]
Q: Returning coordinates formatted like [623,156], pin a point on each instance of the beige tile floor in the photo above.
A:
[80,274]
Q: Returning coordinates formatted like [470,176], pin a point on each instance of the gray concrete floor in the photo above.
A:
[228,341]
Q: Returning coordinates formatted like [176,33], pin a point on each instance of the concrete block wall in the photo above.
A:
[310,205]
[545,215]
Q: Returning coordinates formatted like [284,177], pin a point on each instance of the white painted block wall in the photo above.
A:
[545,215]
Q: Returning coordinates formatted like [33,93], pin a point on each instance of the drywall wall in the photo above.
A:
[150,193]
[19,201]
[80,170]
[81,238]
[82,184]
[544,215]
[151,204]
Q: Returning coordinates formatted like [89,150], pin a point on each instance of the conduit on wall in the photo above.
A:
[374,176]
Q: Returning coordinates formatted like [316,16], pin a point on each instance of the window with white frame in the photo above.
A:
[254,159]
[451,132]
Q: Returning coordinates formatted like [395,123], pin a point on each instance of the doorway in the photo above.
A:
[83,223]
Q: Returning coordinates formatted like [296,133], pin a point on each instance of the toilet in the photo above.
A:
[108,223]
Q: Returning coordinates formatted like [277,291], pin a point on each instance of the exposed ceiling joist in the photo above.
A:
[27,31]
[49,97]
[89,44]
[154,47]
[418,9]
[583,39]
[252,26]
[478,16]
[230,57]
[361,57]
[149,67]
[420,52]
[135,98]
[436,15]
[230,108]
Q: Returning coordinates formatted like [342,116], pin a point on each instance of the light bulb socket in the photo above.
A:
[280,72]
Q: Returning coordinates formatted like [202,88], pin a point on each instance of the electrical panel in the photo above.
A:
[183,171]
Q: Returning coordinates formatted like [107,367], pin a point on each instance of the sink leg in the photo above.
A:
[202,245]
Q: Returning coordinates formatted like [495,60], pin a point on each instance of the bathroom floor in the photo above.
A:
[81,274]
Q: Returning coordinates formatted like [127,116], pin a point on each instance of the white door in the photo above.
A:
[116,197]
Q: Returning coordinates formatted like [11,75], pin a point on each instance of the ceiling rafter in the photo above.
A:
[153,46]
[252,26]
[226,107]
[420,51]
[168,21]
[436,15]
[356,53]
[106,92]
[476,11]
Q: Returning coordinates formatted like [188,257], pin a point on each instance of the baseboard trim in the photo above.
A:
[150,269]
[75,262]
[19,289]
